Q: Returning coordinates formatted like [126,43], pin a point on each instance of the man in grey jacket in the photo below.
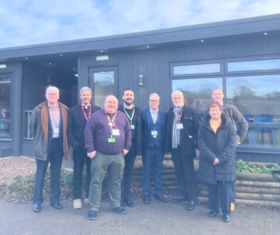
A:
[239,123]
[48,125]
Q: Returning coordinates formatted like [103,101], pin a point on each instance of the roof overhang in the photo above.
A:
[135,40]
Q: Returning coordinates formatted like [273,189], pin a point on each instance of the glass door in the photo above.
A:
[103,82]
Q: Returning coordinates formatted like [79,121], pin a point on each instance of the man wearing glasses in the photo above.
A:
[153,133]
[48,125]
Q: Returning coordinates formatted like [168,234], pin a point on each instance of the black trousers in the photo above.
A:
[220,192]
[129,160]
[80,158]
[55,159]
[184,169]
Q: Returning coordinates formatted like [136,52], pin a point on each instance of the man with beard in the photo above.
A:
[133,114]
[181,140]
[77,120]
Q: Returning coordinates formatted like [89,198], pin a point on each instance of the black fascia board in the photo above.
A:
[172,35]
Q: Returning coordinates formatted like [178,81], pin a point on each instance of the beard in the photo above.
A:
[128,101]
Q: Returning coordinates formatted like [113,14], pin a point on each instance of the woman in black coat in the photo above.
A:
[217,142]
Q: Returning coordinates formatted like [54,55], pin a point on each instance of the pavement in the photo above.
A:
[156,218]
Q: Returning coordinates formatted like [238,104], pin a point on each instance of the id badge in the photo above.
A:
[154,134]
[111,140]
[179,126]
[115,132]
[132,127]
[55,130]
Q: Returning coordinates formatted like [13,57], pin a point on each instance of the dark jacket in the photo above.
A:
[138,128]
[41,130]
[76,126]
[239,123]
[148,125]
[188,139]
[221,145]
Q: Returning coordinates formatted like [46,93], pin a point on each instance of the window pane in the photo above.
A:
[258,98]
[197,92]
[103,86]
[254,65]
[5,87]
[197,69]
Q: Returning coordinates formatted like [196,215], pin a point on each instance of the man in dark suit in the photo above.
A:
[133,114]
[153,133]
[77,120]
[182,127]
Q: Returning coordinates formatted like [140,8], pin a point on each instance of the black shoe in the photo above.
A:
[161,198]
[92,215]
[36,208]
[226,218]
[213,213]
[129,202]
[146,199]
[118,210]
[56,205]
[179,199]
[190,205]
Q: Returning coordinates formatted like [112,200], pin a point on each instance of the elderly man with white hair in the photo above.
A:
[48,125]
[181,139]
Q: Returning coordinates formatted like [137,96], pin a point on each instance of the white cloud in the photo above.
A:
[26,22]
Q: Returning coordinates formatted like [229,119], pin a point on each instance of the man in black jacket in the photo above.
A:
[133,114]
[181,140]
[77,120]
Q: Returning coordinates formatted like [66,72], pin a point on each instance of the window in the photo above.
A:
[258,99]
[5,94]
[197,92]
[103,86]
[254,65]
[196,69]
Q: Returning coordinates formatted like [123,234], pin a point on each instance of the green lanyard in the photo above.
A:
[130,118]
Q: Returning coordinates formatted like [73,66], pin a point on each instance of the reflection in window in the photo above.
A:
[103,86]
[258,98]
[254,65]
[197,92]
[5,87]
[197,69]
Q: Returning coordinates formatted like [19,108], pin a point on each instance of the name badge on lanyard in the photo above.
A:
[56,130]
[111,140]
[115,132]
[154,134]
[179,126]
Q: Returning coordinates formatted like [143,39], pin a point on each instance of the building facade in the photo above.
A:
[241,56]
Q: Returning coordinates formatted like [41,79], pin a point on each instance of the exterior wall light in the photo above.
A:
[141,80]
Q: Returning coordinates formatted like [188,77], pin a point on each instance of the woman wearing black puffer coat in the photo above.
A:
[217,142]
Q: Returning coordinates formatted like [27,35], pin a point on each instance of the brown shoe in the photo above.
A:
[232,206]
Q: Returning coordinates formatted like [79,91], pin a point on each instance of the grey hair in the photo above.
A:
[85,88]
[177,91]
[52,88]
[155,95]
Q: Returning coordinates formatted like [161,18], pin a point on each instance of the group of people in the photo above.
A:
[107,140]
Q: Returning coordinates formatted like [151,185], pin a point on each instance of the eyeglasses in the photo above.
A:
[154,100]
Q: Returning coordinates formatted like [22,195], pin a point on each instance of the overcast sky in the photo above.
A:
[26,22]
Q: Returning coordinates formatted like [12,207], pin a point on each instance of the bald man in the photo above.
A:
[107,139]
